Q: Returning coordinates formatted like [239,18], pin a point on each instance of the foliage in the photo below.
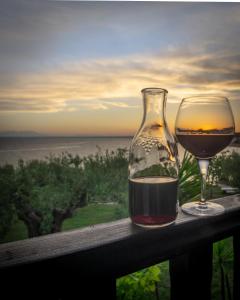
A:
[7,186]
[222,270]
[47,192]
[139,285]
[107,179]
[152,283]
[189,178]
[225,168]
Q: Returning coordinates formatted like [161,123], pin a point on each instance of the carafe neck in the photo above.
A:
[154,103]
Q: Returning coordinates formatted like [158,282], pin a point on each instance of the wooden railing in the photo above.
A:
[85,263]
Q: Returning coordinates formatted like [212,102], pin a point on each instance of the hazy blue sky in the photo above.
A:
[78,67]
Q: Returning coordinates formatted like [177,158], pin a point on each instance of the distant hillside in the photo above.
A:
[19,134]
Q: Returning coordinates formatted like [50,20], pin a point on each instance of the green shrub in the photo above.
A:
[8,188]
[222,281]
[139,285]
[107,176]
[189,178]
[225,168]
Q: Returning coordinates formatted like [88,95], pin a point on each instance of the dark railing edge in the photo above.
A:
[125,236]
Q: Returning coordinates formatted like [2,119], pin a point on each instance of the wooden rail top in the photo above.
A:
[121,247]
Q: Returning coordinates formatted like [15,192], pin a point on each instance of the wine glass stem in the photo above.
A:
[203,166]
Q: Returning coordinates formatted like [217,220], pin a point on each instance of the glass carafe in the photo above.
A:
[153,166]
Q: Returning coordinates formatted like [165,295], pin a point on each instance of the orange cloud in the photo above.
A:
[120,78]
[115,83]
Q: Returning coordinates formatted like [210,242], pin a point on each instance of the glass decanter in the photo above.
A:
[153,166]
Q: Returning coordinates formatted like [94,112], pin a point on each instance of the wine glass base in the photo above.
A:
[211,209]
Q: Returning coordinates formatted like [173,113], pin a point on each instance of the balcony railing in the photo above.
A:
[85,263]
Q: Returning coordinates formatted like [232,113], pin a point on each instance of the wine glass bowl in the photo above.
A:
[204,127]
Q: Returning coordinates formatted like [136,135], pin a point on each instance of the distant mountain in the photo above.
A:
[19,134]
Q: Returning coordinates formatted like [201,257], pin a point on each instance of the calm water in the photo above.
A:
[12,149]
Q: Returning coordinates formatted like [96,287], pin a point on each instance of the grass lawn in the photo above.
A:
[85,216]
[90,215]
[17,232]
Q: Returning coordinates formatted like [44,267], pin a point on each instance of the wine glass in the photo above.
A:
[204,126]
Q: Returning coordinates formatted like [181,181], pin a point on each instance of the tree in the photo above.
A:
[7,186]
[107,176]
[48,192]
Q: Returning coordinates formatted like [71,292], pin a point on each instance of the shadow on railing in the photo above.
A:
[85,263]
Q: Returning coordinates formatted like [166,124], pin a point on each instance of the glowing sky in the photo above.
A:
[70,68]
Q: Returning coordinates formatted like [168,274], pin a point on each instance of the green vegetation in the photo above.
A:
[47,192]
[222,270]
[189,179]
[107,176]
[152,283]
[91,215]
[224,168]
[43,194]
[17,231]
[7,187]
[67,192]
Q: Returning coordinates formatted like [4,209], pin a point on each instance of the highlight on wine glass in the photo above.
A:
[204,126]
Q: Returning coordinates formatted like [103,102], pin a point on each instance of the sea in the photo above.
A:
[28,148]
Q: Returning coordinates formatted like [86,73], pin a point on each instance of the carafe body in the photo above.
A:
[153,166]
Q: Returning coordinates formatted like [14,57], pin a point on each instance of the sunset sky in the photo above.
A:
[77,68]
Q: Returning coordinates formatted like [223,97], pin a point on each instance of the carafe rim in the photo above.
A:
[154,90]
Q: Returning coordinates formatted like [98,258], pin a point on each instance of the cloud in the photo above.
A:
[31,29]
[101,104]
[34,31]
[101,84]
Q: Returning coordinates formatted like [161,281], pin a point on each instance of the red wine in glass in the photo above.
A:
[204,145]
